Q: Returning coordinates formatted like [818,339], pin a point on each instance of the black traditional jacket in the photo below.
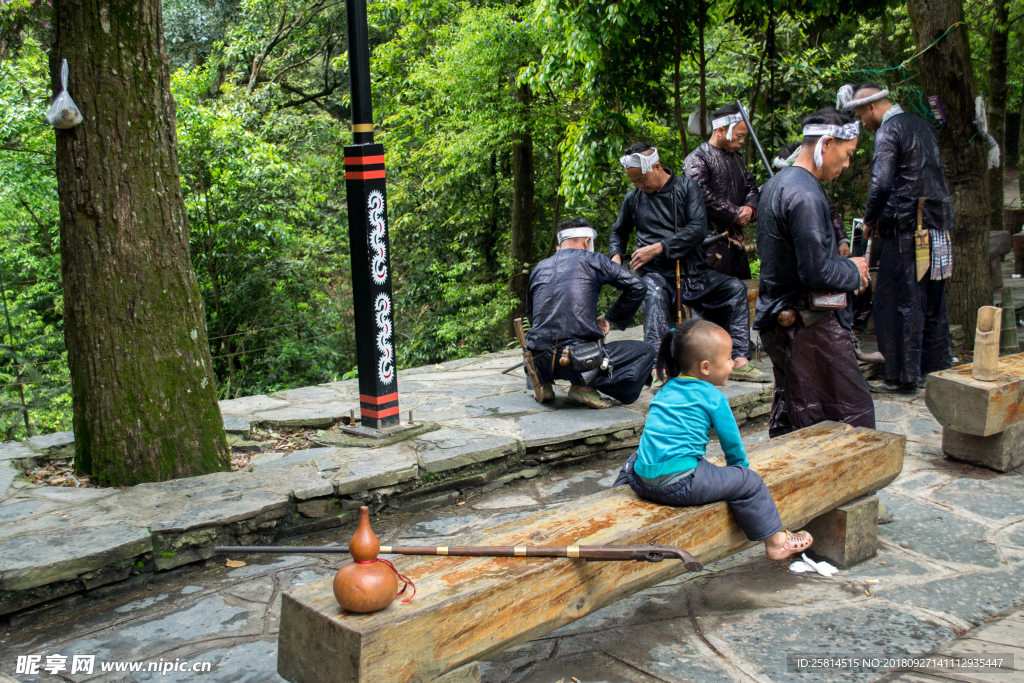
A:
[906,166]
[561,302]
[652,218]
[725,183]
[796,242]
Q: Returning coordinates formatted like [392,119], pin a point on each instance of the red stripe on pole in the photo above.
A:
[363,175]
[363,161]
[363,398]
[377,414]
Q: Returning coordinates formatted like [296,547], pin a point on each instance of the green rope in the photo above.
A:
[914,94]
[900,67]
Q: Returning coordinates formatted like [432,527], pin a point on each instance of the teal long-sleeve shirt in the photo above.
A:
[675,436]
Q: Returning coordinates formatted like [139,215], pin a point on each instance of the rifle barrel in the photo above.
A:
[757,143]
[647,553]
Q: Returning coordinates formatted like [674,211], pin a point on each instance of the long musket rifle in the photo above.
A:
[757,143]
[643,553]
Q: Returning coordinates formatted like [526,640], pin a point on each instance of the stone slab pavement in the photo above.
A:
[56,541]
[950,565]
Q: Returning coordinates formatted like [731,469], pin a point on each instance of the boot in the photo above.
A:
[882,386]
[591,399]
[862,357]
[547,392]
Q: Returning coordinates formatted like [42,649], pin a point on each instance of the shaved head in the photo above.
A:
[865,91]
[690,343]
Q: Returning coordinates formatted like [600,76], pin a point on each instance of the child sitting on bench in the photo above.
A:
[669,467]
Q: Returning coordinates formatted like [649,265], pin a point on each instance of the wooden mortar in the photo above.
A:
[986,344]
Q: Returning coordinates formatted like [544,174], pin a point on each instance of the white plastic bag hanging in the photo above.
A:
[63,112]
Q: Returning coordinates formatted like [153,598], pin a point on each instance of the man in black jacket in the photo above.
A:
[561,304]
[816,375]
[667,212]
[910,313]
[730,193]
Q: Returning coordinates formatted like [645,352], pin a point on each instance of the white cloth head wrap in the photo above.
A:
[728,120]
[645,162]
[844,98]
[570,233]
[825,130]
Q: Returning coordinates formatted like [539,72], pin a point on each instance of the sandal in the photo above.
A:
[795,543]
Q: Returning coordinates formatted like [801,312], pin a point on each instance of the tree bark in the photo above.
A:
[522,207]
[702,65]
[143,392]
[1020,147]
[997,92]
[945,70]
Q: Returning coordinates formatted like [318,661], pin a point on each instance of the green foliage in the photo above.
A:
[266,232]
[33,362]
[263,116]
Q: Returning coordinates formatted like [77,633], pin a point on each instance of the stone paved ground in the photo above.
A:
[952,560]
[56,542]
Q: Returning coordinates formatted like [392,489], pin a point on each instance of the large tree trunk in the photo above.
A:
[997,64]
[1020,147]
[145,404]
[945,70]
[702,68]
[522,209]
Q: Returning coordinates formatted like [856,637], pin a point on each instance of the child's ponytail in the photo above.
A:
[670,354]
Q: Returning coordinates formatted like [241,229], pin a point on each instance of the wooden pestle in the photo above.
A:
[986,344]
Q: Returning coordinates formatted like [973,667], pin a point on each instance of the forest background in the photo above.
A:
[499,120]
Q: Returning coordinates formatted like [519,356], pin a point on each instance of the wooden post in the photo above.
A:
[1018,254]
[369,243]
[1001,452]
[847,535]
[1008,335]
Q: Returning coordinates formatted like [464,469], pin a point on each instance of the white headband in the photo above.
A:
[570,233]
[779,162]
[844,98]
[826,130]
[728,120]
[645,162]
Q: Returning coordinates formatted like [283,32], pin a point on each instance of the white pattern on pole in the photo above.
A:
[379,268]
[385,369]
[379,273]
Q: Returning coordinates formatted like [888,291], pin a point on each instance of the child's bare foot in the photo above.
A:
[783,544]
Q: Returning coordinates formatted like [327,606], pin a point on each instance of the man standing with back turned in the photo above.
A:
[730,193]
[910,311]
[667,212]
[803,276]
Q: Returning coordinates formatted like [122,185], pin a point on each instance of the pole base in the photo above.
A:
[365,437]
[370,433]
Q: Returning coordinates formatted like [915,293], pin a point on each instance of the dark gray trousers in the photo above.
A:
[743,489]
[632,363]
[711,296]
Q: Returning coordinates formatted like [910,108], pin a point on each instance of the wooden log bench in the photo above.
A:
[466,609]
[982,422]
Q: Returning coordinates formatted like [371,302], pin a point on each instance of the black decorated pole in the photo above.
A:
[368,241]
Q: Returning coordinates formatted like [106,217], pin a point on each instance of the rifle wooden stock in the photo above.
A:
[531,369]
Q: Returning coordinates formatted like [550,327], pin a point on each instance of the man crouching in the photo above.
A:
[561,304]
